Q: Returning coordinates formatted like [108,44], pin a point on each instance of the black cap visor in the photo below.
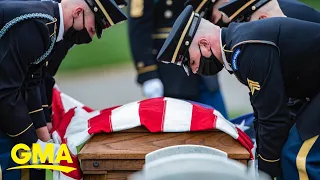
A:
[107,14]
[185,57]
[99,26]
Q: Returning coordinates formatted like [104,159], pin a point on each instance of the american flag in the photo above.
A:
[74,123]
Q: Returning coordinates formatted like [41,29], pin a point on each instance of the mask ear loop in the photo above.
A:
[72,21]
[83,21]
[200,50]
[212,54]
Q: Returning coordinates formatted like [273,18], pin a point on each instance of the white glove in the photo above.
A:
[42,144]
[153,88]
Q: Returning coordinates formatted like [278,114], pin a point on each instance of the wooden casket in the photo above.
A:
[116,155]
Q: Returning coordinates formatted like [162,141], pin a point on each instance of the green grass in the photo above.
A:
[111,49]
[314,3]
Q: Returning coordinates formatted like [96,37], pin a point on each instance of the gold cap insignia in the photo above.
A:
[254,86]
[140,64]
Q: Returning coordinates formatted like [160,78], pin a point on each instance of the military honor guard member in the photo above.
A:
[150,22]
[29,33]
[59,52]
[247,10]
[277,59]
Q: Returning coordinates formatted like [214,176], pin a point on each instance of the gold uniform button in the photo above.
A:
[140,64]
[168,14]
[169,2]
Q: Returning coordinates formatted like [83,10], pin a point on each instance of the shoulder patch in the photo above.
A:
[234,59]
[253,86]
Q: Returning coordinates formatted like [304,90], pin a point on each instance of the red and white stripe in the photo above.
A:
[77,122]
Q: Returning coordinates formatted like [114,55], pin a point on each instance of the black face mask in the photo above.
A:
[78,36]
[220,23]
[209,66]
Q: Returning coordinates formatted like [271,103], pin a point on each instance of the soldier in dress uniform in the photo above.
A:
[150,22]
[245,10]
[261,9]
[24,56]
[58,54]
[277,59]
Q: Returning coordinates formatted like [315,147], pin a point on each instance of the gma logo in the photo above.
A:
[26,154]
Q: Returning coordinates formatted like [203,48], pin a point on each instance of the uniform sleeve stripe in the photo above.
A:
[302,157]
[164,30]
[37,110]
[267,160]
[45,105]
[147,69]
[160,36]
[21,131]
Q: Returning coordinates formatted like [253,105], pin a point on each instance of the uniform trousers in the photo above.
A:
[300,160]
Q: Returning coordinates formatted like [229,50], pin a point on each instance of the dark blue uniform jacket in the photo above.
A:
[20,47]
[278,59]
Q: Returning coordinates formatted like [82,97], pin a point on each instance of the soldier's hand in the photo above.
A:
[49,126]
[153,88]
[43,145]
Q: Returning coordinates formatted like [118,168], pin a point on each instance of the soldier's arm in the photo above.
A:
[54,61]
[14,65]
[49,82]
[45,100]
[33,98]
[264,78]
[59,52]
[141,25]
